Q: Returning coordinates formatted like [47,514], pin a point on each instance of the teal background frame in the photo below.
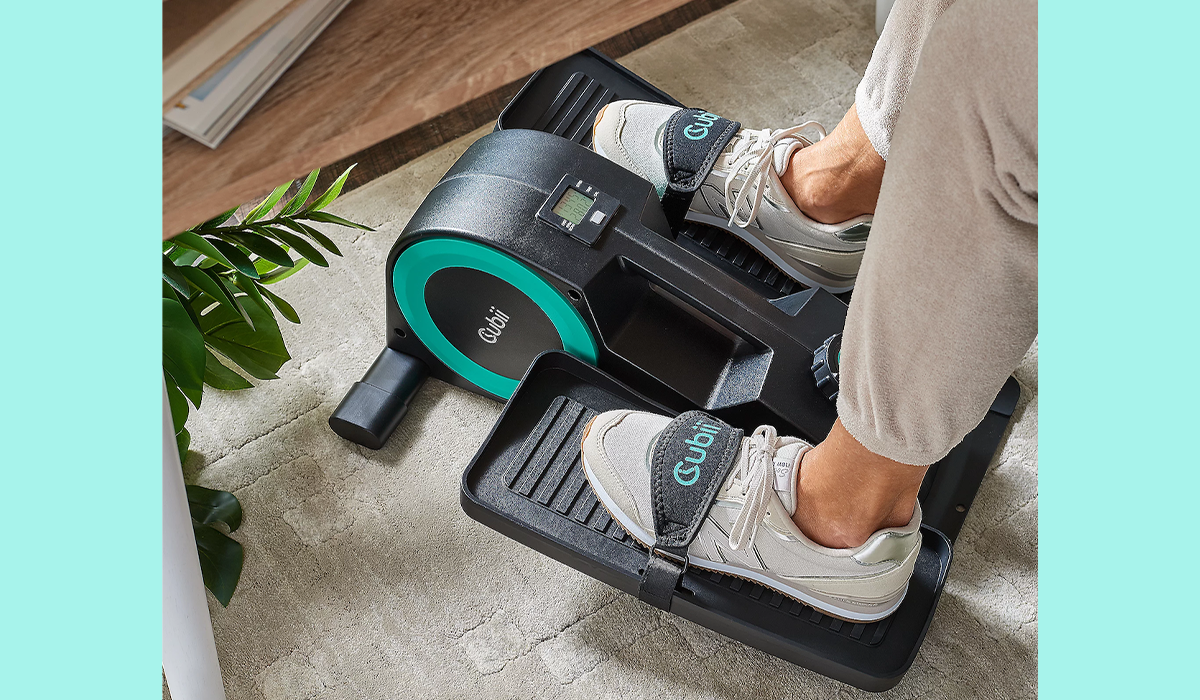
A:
[81,408]
[1119,263]
[417,262]
[1118,349]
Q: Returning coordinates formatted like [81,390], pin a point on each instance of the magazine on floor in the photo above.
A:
[211,111]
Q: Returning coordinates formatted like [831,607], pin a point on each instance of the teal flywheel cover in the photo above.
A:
[417,263]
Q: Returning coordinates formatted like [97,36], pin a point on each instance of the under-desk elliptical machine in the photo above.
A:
[539,272]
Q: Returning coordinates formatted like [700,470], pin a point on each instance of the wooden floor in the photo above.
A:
[389,154]
[387,66]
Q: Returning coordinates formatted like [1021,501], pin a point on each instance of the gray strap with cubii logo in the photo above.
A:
[692,141]
[691,460]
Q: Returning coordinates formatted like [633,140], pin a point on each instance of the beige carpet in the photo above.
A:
[363,577]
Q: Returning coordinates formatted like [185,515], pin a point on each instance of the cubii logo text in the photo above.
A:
[699,128]
[686,476]
[495,324]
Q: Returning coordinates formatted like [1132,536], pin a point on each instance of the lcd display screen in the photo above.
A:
[573,206]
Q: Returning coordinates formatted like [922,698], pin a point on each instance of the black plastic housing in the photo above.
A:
[689,319]
[564,98]
[527,482]
[668,321]
[374,406]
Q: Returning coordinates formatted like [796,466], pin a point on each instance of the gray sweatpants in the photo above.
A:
[946,301]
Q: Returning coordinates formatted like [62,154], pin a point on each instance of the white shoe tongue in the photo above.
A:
[787,469]
[783,154]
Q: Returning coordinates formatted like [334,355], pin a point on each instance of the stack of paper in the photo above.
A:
[200,36]
[211,110]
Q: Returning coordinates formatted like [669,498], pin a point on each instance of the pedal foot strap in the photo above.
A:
[692,141]
[691,461]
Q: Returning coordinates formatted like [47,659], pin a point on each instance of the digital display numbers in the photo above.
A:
[573,206]
[578,209]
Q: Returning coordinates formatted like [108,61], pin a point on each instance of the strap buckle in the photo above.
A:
[660,579]
[682,562]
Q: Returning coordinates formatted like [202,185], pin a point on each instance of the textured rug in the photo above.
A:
[364,579]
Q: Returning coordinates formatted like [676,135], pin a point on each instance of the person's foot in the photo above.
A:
[749,531]
[846,493]
[743,193]
[837,178]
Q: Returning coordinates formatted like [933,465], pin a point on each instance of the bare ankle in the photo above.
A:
[839,177]
[846,493]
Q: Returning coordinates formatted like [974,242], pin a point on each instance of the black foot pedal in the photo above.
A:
[527,483]
[564,98]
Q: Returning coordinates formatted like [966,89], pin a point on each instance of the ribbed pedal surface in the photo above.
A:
[869,634]
[547,471]
[574,109]
[739,259]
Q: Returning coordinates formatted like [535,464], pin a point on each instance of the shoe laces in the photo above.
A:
[754,475]
[752,157]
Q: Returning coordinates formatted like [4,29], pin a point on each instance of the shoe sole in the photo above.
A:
[813,269]
[646,540]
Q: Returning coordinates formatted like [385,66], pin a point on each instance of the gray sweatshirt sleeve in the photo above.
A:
[881,93]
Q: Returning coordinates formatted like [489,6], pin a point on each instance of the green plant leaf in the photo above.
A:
[283,273]
[271,200]
[237,259]
[183,440]
[314,234]
[221,559]
[187,306]
[205,281]
[183,257]
[250,287]
[174,277]
[191,241]
[210,283]
[263,247]
[258,350]
[218,376]
[216,220]
[335,219]
[193,395]
[211,506]
[178,404]
[297,244]
[332,193]
[284,308]
[183,350]
[230,289]
[242,359]
[295,203]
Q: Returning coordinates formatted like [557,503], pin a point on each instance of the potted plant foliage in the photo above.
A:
[220,327]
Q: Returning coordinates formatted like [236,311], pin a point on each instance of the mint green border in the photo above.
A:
[420,260]
[81,415]
[1119,319]
[1119,480]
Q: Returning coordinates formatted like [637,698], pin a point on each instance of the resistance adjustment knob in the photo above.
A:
[826,366]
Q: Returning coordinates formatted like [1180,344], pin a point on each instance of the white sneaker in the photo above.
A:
[743,194]
[749,530]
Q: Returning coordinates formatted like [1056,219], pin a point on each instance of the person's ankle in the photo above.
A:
[837,178]
[845,493]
